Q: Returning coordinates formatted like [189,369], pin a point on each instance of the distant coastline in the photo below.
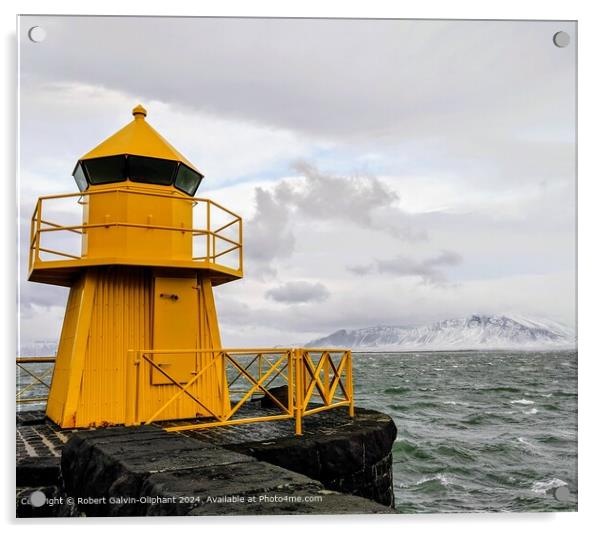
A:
[473,333]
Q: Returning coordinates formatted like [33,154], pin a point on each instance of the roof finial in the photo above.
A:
[139,112]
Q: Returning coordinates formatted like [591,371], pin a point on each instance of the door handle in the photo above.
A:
[173,297]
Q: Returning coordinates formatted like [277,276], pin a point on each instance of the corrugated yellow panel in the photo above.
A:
[175,325]
[61,374]
[125,312]
[120,321]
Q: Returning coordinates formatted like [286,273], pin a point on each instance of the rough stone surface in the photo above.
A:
[26,510]
[147,471]
[28,418]
[214,482]
[280,393]
[349,455]
[274,471]
[38,471]
[322,502]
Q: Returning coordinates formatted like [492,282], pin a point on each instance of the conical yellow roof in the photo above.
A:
[138,138]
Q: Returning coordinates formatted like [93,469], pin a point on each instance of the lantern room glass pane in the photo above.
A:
[187,180]
[80,178]
[105,169]
[151,170]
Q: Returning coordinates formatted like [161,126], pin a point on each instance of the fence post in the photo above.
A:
[326,373]
[291,383]
[38,231]
[349,383]
[208,230]
[298,391]
[130,388]
[225,391]
[138,387]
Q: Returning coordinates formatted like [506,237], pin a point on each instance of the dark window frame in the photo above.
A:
[79,164]
[83,164]
[89,176]
[171,178]
[193,171]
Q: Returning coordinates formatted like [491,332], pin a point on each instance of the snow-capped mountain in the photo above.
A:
[475,332]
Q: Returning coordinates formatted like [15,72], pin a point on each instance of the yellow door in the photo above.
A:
[175,320]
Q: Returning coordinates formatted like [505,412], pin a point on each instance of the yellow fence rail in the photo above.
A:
[220,227]
[315,380]
[39,378]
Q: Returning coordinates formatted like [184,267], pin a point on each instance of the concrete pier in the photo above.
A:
[340,465]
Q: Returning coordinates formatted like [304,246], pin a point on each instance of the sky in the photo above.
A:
[388,172]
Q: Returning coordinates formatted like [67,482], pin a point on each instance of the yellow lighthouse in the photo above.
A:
[140,341]
[144,277]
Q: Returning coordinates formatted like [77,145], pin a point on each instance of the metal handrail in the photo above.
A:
[41,226]
[38,378]
[315,381]
[311,375]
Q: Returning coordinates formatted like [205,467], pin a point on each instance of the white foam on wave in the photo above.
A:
[526,443]
[454,402]
[522,401]
[531,411]
[541,487]
[437,477]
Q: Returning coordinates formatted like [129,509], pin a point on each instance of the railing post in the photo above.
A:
[38,230]
[138,366]
[130,388]
[208,234]
[31,237]
[326,382]
[291,383]
[259,366]
[240,254]
[225,392]
[349,383]
[299,397]
[129,417]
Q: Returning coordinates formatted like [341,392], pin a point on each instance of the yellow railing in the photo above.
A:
[38,379]
[220,227]
[315,380]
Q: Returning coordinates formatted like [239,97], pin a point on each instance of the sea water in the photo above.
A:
[477,431]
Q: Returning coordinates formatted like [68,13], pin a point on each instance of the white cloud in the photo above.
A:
[422,136]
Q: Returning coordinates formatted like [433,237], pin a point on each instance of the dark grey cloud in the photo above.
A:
[371,79]
[362,201]
[298,292]
[430,270]
[268,233]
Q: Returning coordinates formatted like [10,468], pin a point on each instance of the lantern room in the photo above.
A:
[124,157]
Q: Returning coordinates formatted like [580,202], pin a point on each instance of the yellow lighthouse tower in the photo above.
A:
[140,341]
[141,277]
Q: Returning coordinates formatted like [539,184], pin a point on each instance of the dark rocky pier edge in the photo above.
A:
[340,465]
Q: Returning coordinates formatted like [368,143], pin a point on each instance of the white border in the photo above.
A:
[590,267]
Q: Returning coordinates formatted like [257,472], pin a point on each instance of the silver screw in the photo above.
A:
[36,34]
[37,498]
[562,494]
[561,39]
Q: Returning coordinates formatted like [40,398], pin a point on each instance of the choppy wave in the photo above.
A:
[543,487]
[476,433]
